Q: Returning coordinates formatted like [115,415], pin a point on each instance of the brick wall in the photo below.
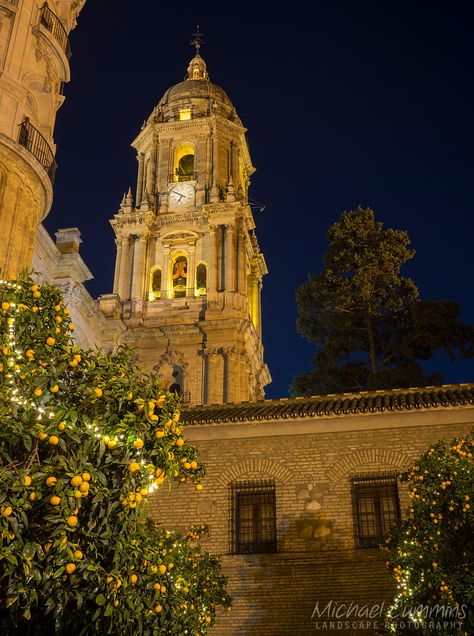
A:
[317,559]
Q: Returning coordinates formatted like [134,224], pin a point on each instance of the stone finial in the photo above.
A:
[129,198]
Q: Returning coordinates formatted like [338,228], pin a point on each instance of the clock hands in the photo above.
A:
[181,196]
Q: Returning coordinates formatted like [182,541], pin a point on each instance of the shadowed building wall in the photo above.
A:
[34,65]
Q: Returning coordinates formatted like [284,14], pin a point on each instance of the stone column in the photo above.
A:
[124,278]
[214,189]
[255,300]
[138,267]
[212,259]
[230,258]
[150,177]
[141,167]
[165,274]
[191,271]
[232,379]
[244,379]
[214,377]
[259,305]
[241,266]
[118,258]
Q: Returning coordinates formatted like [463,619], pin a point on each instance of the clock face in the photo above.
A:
[182,195]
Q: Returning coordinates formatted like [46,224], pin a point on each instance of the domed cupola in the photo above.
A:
[196,96]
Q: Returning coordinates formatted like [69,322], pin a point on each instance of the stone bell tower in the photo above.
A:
[188,273]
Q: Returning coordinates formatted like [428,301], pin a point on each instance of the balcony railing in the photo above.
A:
[31,139]
[54,25]
[183,177]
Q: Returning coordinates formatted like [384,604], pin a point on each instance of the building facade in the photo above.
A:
[300,493]
[188,273]
[34,66]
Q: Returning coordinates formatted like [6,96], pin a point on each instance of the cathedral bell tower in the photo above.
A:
[188,273]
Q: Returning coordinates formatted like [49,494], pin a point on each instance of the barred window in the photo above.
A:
[253,517]
[376,507]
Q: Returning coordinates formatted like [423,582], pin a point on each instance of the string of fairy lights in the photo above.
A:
[14,357]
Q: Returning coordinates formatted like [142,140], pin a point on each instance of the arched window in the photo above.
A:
[183,165]
[201,279]
[179,276]
[155,284]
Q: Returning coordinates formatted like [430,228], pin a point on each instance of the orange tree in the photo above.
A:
[432,550]
[84,438]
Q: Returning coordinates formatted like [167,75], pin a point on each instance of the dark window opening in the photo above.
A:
[376,507]
[185,169]
[254,517]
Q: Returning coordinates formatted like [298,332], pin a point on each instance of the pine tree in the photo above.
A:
[369,325]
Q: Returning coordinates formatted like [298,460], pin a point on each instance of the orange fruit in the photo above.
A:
[84,486]
[143,492]
[76,480]
[70,568]
[158,608]
[50,341]
[194,465]
[37,294]
[53,440]
[86,477]
[33,496]
[73,363]
[55,501]
[54,389]
[157,587]
[78,554]
[98,391]
[133,579]
[162,569]
[72,521]
[38,392]
[6,512]
[129,396]
[134,467]
[51,481]
[159,434]
[42,435]
[62,426]
[179,441]
[199,486]
[138,443]
[27,480]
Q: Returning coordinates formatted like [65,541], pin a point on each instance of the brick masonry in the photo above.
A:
[317,560]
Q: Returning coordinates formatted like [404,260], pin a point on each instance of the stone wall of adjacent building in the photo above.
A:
[311,462]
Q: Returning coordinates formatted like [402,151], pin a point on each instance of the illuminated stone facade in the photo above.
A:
[34,65]
[189,270]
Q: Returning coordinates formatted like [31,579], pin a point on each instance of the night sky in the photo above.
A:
[345,104]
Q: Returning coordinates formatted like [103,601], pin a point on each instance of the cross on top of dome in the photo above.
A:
[197,66]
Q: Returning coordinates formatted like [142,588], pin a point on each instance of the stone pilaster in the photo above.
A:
[138,267]
[230,258]
[124,277]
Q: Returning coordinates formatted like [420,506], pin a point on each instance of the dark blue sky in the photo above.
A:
[345,103]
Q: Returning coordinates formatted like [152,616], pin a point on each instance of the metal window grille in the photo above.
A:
[253,521]
[376,507]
